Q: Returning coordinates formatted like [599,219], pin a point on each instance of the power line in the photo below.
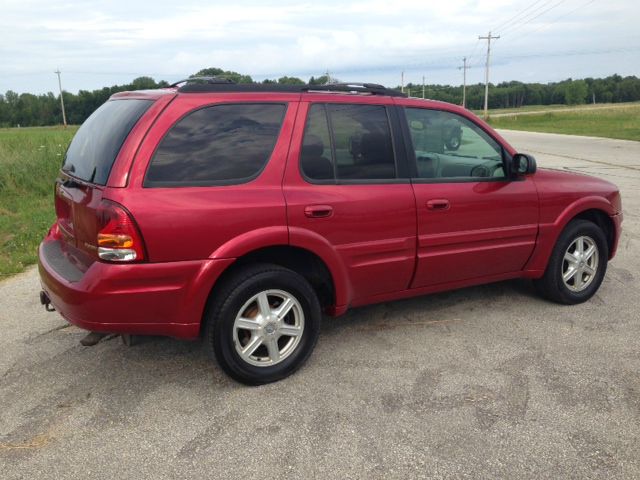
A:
[488,38]
[64,115]
[506,22]
[555,20]
[530,19]
[464,69]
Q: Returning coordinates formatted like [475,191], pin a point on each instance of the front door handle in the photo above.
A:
[318,211]
[438,204]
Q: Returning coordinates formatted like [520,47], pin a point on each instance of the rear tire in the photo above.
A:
[262,323]
[577,264]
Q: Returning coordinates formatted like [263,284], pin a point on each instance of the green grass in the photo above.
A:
[618,122]
[29,163]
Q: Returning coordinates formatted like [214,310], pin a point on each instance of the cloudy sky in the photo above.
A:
[103,43]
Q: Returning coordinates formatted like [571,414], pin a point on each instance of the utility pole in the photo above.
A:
[423,87]
[402,82]
[464,69]
[64,115]
[488,38]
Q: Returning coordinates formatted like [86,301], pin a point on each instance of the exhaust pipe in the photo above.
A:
[46,301]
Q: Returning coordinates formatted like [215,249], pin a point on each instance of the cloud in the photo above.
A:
[98,44]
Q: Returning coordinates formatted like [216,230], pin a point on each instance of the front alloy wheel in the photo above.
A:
[577,264]
[580,264]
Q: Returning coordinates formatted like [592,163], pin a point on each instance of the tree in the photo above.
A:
[575,92]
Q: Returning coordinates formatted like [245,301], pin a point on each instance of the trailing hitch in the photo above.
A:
[46,301]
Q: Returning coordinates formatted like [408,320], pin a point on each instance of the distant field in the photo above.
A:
[538,108]
[29,161]
[615,121]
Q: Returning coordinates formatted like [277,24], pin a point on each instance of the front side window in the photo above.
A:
[347,142]
[450,147]
[221,144]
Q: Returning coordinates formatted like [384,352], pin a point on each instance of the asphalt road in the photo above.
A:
[486,382]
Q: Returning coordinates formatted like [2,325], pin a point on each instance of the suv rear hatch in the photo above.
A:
[82,214]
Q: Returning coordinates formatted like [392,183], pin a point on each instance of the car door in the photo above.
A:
[345,189]
[474,221]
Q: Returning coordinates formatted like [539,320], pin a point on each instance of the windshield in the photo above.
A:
[98,141]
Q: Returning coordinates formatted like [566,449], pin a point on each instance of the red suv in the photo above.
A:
[240,213]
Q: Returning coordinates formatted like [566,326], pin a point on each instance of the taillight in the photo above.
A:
[118,237]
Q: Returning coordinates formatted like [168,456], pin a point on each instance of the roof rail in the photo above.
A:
[197,86]
[205,80]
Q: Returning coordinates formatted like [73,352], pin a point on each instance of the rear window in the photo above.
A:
[96,144]
[218,145]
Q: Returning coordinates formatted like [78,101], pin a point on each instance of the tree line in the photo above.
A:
[39,110]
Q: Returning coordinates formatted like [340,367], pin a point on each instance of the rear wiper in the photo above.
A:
[71,183]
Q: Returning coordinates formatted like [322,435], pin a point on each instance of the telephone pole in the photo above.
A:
[464,69]
[64,115]
[402,82]
[423,87]
[488,38]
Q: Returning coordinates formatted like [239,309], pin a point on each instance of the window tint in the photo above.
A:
[221,144]
[316,146]
[449,146]
[360,146]
[95,146]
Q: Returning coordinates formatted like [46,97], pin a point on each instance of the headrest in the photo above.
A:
[312,146]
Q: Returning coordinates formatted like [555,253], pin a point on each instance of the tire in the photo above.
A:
[273,345]
[566,259]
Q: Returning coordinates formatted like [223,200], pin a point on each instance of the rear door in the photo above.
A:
[345,185]
[473,221]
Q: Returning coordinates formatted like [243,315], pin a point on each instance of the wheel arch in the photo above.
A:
[594,209]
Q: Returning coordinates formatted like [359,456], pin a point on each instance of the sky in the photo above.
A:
[96,44]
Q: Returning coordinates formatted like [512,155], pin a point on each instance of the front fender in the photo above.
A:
[548,233]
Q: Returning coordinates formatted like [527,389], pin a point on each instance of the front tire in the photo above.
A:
[262,324]
[577,265]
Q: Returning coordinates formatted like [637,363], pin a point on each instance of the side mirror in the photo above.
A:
[523,164]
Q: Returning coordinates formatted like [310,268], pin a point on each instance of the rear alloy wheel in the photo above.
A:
[577,265]
[268,328]
[263,323]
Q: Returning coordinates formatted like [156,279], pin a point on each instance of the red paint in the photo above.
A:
[380,242]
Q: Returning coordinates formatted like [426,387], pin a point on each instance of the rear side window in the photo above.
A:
[95,146]
[217,145]
[347,142]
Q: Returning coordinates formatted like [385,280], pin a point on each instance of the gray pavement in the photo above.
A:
[486,382]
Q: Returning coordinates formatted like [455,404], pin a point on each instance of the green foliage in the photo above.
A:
[218,72]
[613,89]
[574,92]
[29,162]
[40,110]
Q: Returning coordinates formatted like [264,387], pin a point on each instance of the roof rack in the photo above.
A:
[203,80]
[223,85]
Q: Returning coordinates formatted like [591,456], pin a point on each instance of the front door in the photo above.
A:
[473,221]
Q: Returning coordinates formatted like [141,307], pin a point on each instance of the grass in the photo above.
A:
[29,163]
[621,122]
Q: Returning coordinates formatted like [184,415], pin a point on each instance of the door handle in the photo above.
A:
[318,211]
[438,204]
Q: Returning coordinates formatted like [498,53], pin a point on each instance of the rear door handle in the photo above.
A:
[438,204]
[318,211]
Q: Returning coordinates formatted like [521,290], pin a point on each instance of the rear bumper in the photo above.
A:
[145,299]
